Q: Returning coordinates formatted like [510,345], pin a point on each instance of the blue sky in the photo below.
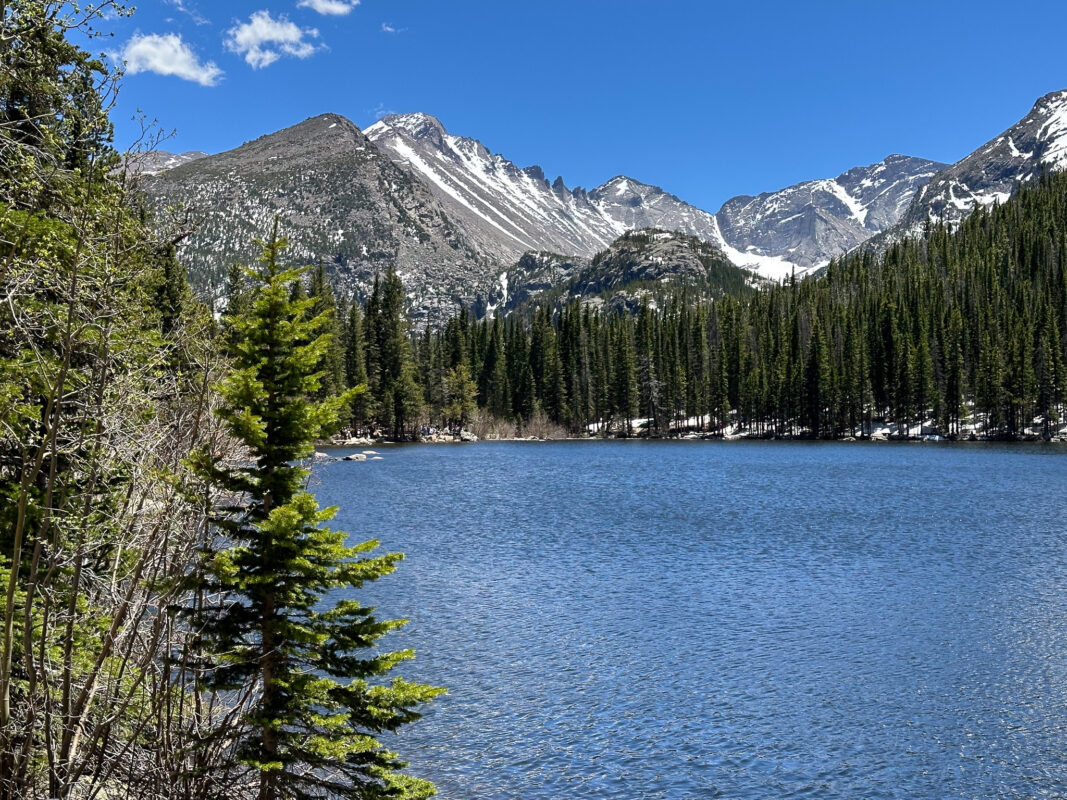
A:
[706,99]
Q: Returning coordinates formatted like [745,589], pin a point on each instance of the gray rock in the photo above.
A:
[1036,143]
[812,222]
[340,202]
[507,211]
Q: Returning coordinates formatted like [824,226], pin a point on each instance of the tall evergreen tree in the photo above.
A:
[356,367]
[312,713]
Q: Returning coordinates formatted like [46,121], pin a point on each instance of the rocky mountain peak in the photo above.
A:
[1051,114]
[316,137]
[419,126]
[1038,142]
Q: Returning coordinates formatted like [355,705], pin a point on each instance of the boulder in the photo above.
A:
[467,436]
[356,457]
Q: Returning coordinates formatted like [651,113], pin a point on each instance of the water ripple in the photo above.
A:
[690,620]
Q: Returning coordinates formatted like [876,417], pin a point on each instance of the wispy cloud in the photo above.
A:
[380,111]
[388,27]
[167,54]
[336,8]
[263,40]
[190,11]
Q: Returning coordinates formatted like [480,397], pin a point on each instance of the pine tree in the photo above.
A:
[461,394]
[312,714]
[401,398]
[356,367]
[325,305]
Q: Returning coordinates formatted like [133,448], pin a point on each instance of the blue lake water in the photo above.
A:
[736,620]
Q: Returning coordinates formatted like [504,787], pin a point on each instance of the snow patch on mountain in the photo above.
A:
[507,210]
[1038,142]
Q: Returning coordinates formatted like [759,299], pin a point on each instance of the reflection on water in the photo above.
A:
[751,620]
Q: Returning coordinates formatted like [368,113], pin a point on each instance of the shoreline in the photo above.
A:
[335,444]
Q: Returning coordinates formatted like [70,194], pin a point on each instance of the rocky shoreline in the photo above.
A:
[465,437]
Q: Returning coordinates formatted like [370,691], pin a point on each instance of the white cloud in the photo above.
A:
[263,40]
[193,14]
[167,54]
[335,8]
[388,27]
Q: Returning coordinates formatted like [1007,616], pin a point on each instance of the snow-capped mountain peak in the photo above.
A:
[506,209]
[418,126]
[1051,113]
[1038,142]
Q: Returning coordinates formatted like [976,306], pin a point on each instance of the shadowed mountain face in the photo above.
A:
[640,266]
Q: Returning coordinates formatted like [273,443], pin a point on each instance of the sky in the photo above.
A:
[706,99]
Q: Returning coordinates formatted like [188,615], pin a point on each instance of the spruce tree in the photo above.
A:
[312,713]
[356,366]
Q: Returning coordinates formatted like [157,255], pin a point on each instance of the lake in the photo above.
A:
[741,620]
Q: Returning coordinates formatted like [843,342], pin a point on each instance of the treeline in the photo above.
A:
[169,623]
[953,331]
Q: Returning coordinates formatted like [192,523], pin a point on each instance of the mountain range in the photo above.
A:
[465,226]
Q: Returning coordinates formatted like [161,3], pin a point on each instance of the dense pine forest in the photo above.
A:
[950,333]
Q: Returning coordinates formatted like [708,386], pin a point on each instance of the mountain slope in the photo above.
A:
[153,162]
[808,224]
[507,210]
[1036,143]
[640,265]
[340,202]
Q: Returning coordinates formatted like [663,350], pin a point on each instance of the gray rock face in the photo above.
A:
[991,173]
[637,206]
[655,256]
[456,220]
[631,270]
[339,202]
[153,162]
[506,210]
[808,224]
[533,276]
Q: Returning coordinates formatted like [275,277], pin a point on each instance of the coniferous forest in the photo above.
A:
[950,333]
[169,626]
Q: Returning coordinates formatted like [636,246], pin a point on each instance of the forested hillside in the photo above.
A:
[955,332]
